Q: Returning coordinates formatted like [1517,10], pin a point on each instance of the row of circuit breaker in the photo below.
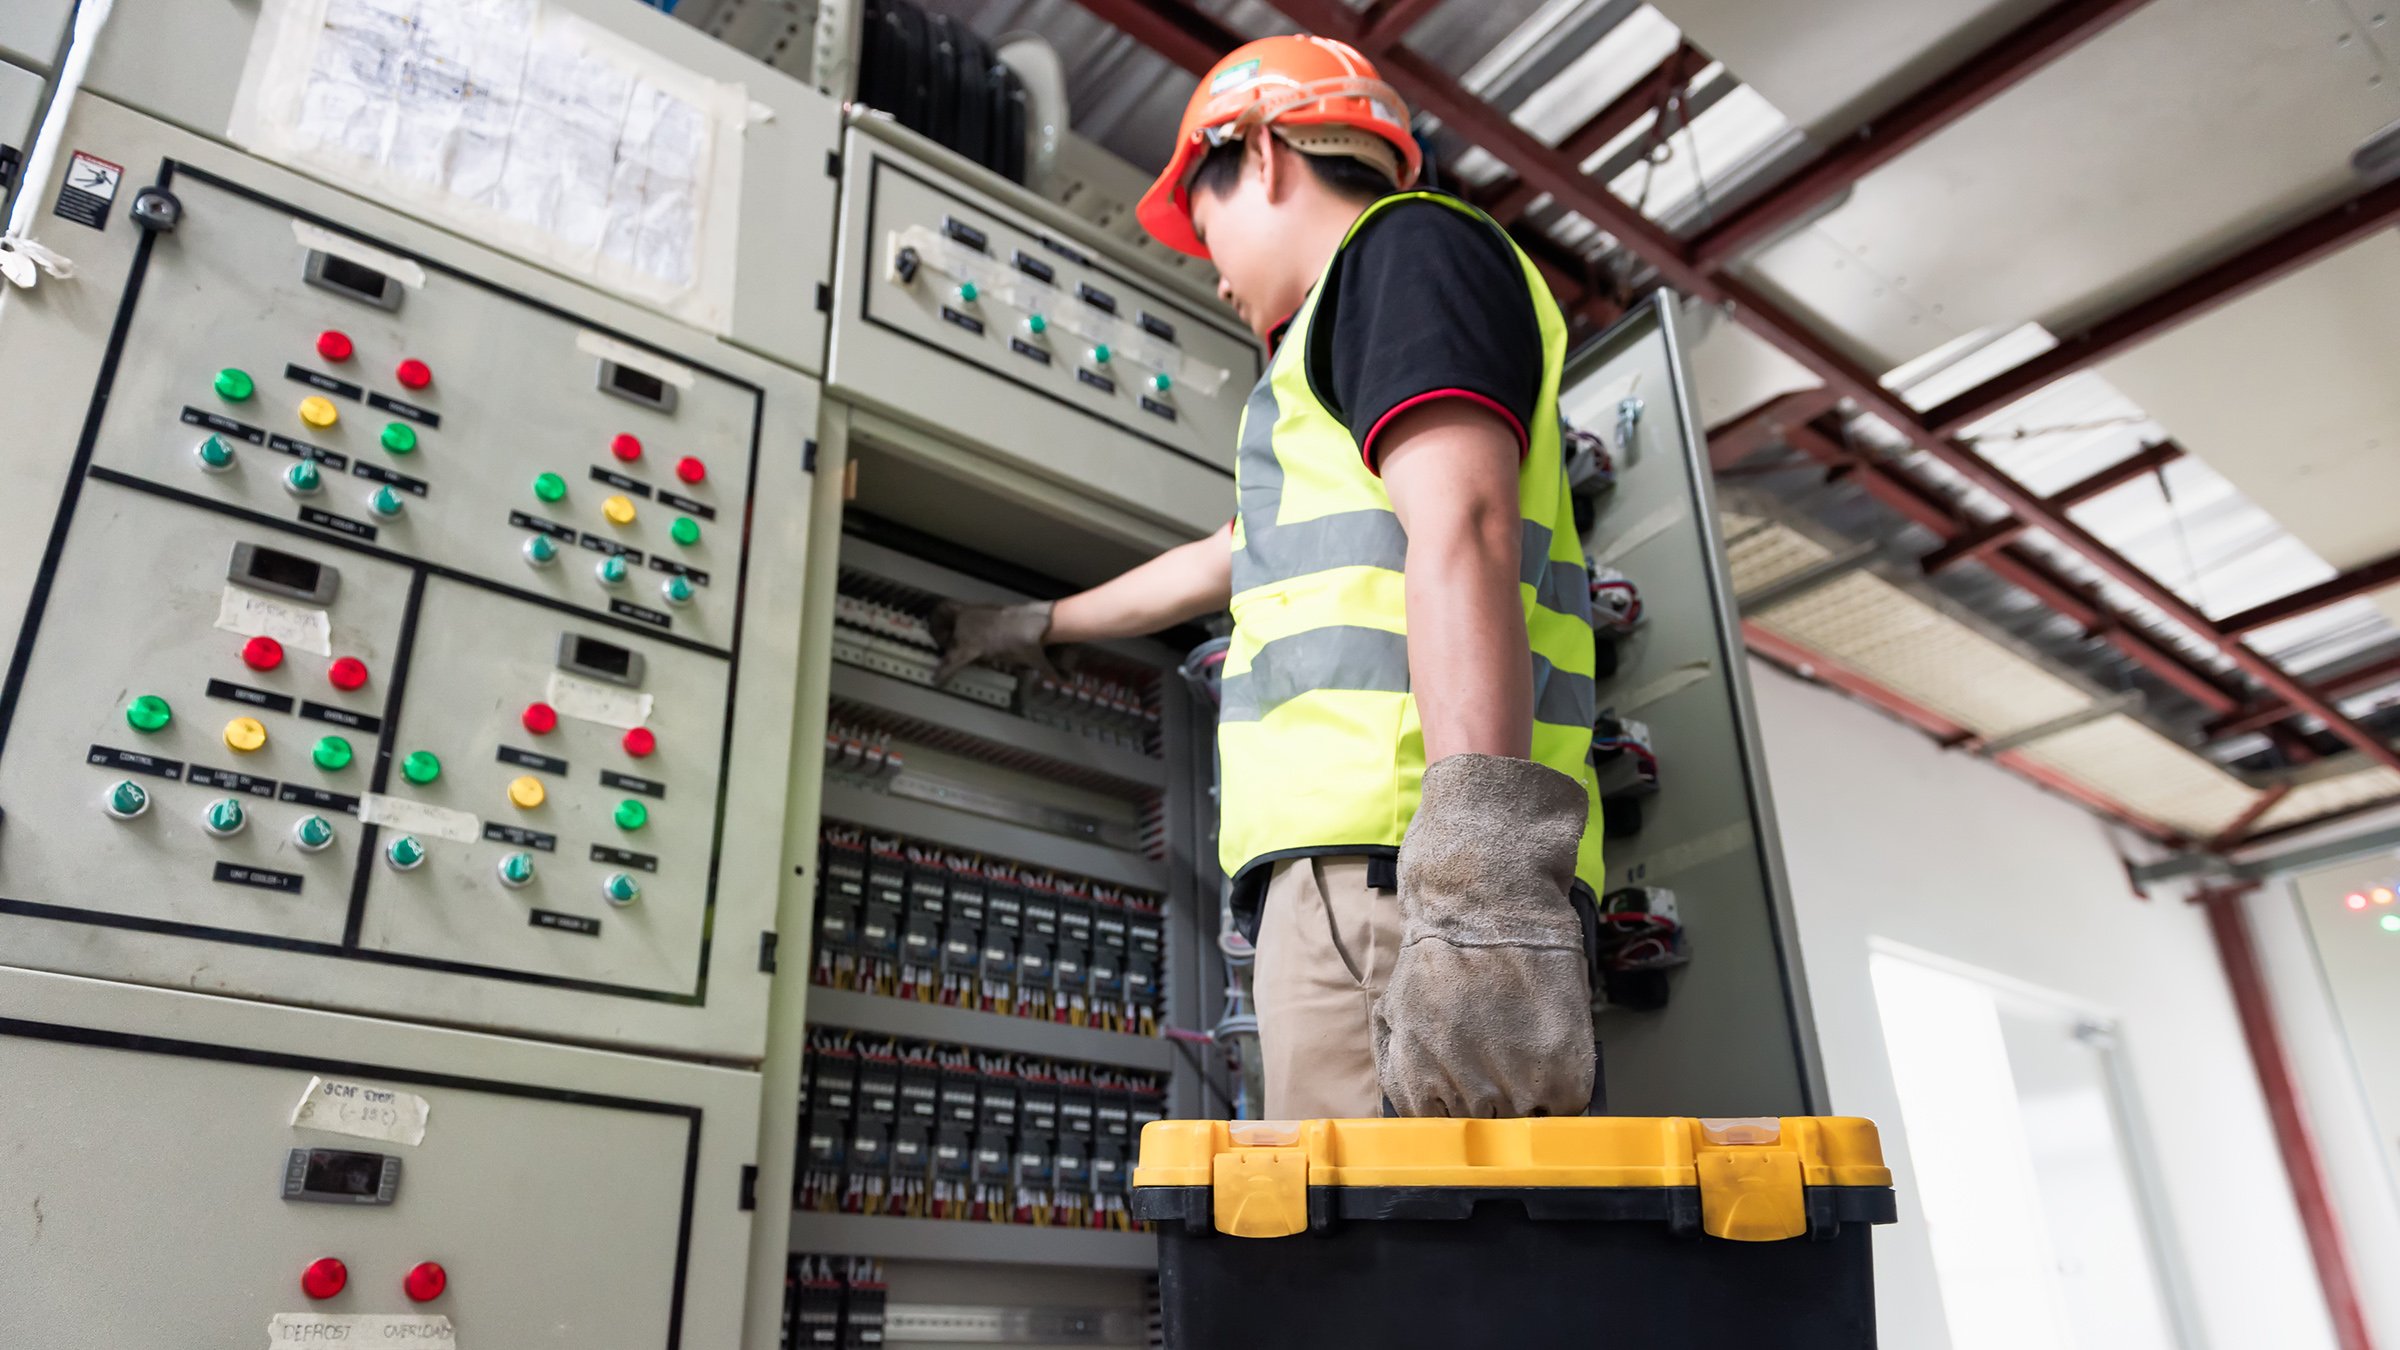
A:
[832,1303]
[912,920]
[934,1131]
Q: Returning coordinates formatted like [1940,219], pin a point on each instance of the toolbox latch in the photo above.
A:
[1261,1192]
[1749,1194]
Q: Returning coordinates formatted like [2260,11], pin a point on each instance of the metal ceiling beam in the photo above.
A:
[2258,716]
[1984,538]
[1978,80]
[2357,581]
[2285,251]
[1388,21]
[1768,424]
[2239,827]
[1509,199]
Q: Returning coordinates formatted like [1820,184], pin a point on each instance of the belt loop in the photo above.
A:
[1383,874]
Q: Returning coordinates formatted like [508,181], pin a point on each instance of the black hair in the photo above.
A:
[1221,170]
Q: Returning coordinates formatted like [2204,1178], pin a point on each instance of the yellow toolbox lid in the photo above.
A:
[1751,1173]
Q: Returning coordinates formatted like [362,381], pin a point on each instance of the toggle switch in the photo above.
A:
[126,799]
[303,479]
[214,454]
[262,653]
[318,411]
[313,833]
[324,1277]
[620,890]
[541,550]
[224,817]
[347,673]
[245,734]
[406,853]
[516,871]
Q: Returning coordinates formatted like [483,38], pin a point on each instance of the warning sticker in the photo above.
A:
[91,185]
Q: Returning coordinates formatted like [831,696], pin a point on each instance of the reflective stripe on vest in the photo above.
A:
[1319,743]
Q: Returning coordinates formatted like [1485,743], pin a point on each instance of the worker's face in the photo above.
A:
[1243,228]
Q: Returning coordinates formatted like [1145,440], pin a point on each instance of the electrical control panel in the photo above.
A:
[204,1171]
[390,623]
[1082,369]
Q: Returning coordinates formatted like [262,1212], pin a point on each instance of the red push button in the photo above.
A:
[425,1281]
[639,742]
[539,718]
[690,469]
[347,672]
[334,345]
[324,1278]
[414,373]
[262,653]
[625,445]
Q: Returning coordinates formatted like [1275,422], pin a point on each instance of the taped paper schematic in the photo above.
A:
[517,122]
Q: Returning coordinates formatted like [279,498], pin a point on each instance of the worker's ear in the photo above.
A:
[1274,172]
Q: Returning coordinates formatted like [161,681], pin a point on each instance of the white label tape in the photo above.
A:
[317,237]
[626,354]
[592,701]
[419,818]
[361,1109]
[1674,681]
[253,615]
[322,1329]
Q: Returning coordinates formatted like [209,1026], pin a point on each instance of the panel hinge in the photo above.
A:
[766,953]
[824,298]
[749,1186]
[808,462]
[833,164]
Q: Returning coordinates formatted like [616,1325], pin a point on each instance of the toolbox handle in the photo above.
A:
[1587,913]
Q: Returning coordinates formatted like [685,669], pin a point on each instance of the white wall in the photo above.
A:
[1888,836]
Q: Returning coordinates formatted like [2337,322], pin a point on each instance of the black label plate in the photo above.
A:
[617,857]
[220,422]
[326,520]
[300,794]
[598,544]
[1035,267]
[380,474]
[527,759]
[1100,382]
[626,782]
[317,380]
[540,526]
[133,761]
[1157,409]
[408,410]
[564,923]
[620,482]
[331,459]
[230,781]
[1027,350]
[966,321]
[626,609]
[342,717]
[688,506]
[520,837]
[237,874]
[693,574]
[1156,326]
[242,693]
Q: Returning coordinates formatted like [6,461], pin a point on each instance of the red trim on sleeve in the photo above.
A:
[1366,447]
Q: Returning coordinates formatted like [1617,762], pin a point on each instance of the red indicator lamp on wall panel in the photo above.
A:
[262,653]
[625,446]
[334,345]
[539,718]
[639,742]
[425,1281]
[347,673]
[324,1278]
[413,374]
[690,469]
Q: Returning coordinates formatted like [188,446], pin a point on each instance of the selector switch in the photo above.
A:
[677,590]
[225,817]
[527,792]
[318,411]
[386,502]
[611,570]
[244,735]
[620,889]
[516,870]
[618,509]
[262,653]
[126,799]
[1161,382]
[1100,355]
[541,550]
[313,833]
[1036,324]
[148,713]
[214,454]
[304,479]
[406,853]
[347,673]
[334,345]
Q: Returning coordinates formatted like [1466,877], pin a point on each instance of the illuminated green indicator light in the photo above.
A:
[303,477]
[127,800]
[621,889]
[235,386]
[686,531]
[225,816]
[313,833]
[1100,355]
[421,767]
[399,437]
[215,455]
[2390,923]
[1036,324]
[385,502]
[405,853]
[516,870]
[967,291]
[148,713]
[332,752]
[1161,383]
[549,487]
[632,815]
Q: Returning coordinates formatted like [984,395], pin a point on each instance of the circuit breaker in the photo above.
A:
[391,610]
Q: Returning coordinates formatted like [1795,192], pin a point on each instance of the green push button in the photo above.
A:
[148,713]
[611,570]
[632,815]
[385,502]
[1161,383]
[303,478]
[1100,355]
[127,800]
[1036,324]
[516,870]
[313,833]
[225,817]
[685,531]
[399,437]
[421,767]
[214,454]
[549,487]
[332,753]
[406,853]
[621,889]
[541,550]
[235,386]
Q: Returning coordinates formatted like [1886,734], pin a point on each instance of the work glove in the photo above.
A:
[1000,635]
[1489,1007]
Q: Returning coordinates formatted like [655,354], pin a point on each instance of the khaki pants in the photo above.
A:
[1326,942]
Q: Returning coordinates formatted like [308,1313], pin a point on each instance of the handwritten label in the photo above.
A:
[420,818]
[253,615]
[592,701]
[363,1110]
[321,1329]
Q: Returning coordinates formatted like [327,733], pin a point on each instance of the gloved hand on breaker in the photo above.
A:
[1001,635]
[1489,1007]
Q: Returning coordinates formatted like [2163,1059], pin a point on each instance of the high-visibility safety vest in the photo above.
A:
[1319,746]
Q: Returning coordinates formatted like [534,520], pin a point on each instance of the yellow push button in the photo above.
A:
[618,509]
[527,792]
[318,411]
[245,734]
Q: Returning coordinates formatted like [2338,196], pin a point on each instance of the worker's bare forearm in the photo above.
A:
[1451,470]
[1177,586]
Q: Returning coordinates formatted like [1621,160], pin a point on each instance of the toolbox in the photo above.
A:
[1590,1231]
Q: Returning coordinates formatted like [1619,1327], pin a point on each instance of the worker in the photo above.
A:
[1404,741]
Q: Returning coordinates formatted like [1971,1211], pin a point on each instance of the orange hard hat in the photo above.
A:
[1309,88]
